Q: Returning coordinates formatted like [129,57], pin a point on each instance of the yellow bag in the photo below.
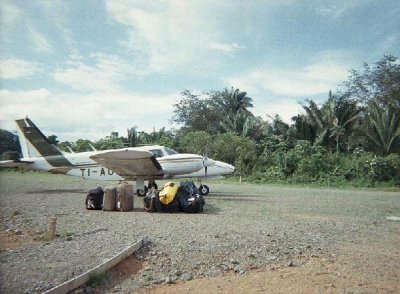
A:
[167,194]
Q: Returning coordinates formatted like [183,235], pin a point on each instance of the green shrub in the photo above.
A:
[96,279]
[10,155]
[307,164]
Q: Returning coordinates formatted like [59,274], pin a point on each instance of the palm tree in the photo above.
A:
[234,117]
[302,128]
[242,124]
[234,101]
[132,137]
[347,114]
[333,120]
[383,127]
[316,117]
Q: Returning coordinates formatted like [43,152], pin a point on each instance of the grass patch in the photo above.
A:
[96,279]
[67,234]
[323,184]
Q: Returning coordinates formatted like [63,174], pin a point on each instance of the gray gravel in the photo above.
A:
[235,233]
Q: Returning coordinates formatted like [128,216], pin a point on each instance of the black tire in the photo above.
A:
[142,192]
[204,190]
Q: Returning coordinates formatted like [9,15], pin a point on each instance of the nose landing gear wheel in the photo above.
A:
[204,190]
[141,192]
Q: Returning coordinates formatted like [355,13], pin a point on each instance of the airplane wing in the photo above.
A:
[129,163]
[15,163]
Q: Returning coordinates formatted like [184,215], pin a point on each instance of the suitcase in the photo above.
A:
[124,197]
[110,201]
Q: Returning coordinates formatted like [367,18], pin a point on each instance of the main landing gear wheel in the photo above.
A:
[141,192]
[204,190]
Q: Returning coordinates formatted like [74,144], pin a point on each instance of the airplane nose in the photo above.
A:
[225,168]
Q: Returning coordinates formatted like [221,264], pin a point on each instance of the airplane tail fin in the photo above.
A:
[33,142]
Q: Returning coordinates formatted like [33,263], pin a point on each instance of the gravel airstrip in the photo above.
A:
[243,228]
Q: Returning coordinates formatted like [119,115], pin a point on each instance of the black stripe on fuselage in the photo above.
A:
[156,163]
[50,153]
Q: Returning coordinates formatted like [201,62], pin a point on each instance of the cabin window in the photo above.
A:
[170,151]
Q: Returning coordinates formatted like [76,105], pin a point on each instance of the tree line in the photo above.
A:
[352,137]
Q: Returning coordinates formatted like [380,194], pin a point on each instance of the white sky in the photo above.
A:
[82,69]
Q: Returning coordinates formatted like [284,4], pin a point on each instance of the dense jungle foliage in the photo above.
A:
[351,138]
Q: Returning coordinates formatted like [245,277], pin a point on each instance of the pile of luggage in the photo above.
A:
[173,198]
[119,197]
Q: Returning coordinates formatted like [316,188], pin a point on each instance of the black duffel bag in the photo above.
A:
[189,198]
[152,202]
[94,199]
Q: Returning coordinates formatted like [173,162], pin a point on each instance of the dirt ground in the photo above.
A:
[364,268]
[359,268]
[355,237]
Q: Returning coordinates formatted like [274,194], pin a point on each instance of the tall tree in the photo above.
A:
[347,113]
[236,124]
[196,113]
[302,129]
[232,102]
[278,127]
[383,128]
[333,121]
[317,119]
[8,142]
[380,83]
[53,139]
[132,137]
[213,112]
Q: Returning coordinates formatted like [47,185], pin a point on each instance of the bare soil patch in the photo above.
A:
[360,268]
[10,240]
[126,269]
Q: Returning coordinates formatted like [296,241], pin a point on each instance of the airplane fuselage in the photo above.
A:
[173,166]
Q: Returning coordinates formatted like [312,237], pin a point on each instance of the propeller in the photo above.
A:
[207,162]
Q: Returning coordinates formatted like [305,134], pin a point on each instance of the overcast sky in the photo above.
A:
[81,69]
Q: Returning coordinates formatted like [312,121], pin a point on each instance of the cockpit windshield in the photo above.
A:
[157,153]
[160,153]
[170,151]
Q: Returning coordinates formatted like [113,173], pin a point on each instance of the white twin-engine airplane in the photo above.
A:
[134,163]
